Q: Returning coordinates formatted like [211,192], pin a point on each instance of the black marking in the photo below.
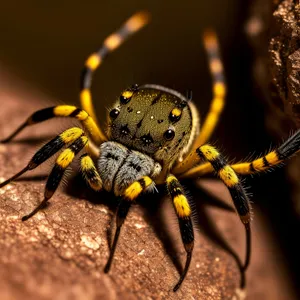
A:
[186,229]
[46,152]
[240,199]
[252,169]
[135,167]
[129,109]
[77,145]
[265,161]
[147,139]
[139,124]
[156,99]
[85,78]
[53,180]
[142,183]
[289,147]
[160,121]
[112,156]
[75,112]
[218,163]
[42,115]
[124,130]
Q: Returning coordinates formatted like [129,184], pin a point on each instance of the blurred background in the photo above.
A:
[44,45]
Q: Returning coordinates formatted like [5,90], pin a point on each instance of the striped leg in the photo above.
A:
[90,172]
[183,212]
[63,111]
[48,150]
[130,195]
[219,89]
[229,177]
[62,163]
[261,164]
[132,25]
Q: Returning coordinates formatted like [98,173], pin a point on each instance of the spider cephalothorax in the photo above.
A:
[152,138]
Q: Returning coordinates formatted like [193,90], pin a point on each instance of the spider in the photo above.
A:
[153,137]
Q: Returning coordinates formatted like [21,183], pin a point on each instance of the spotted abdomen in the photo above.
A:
[154,120]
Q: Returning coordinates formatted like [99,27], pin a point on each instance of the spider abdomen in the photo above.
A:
[119,167]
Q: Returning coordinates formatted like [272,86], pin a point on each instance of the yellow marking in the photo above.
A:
[258,164]
[272,158]
[93,61]
[147,181]
[137,21]
[94,131]
[209,152]
[217,104]
[127,94]
[182,206]
[171,178]
[71,134]
[133,191]
[87,164]
[198,171]
[176,112]
[83,115]
[113,41]
[219,90]
[242,168]
[216,66]
[64,110]
[228,176]
[86,103]
[65,158]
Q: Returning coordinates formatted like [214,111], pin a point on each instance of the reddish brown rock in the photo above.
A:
[60,253]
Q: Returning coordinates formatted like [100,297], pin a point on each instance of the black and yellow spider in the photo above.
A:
[153,137]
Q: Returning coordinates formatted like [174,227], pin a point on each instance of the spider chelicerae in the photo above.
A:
[153,137]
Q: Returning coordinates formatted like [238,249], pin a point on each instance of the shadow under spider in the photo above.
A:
[151,204]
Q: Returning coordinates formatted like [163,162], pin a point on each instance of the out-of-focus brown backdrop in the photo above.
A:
[46,43]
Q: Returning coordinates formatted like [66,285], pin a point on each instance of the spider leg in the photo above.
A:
[226,173]
[261,164]
[63,111]
[183,212]
[219,89]
[90,172]
[130,194]
[49,149]
[62,163]
[112,42]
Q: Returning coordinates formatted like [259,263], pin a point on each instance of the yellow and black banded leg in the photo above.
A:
[272,159]
[219,89]
[130,195]
[226,173]
[183,212]
[49,149]
[261,164]
[62,163]
[63,111]
[90,173]
[112,42]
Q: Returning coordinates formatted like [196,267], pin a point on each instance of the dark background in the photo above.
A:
[46,43]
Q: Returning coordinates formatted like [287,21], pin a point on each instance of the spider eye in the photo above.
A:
[126,96]
[114,113]
[169,134]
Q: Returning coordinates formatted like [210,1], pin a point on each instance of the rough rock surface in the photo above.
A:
[274,31]
[60,252]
